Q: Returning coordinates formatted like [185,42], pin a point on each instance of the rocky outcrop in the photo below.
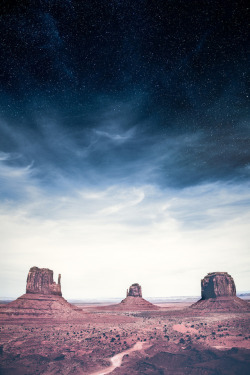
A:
[40,280]
[218,293]
[134,291]
[43,299]
[132,302]
[217,284]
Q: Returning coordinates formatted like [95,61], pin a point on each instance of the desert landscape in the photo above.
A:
[41,333]
[124,187]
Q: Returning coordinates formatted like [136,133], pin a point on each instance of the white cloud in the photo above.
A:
[114,136]
[104,240]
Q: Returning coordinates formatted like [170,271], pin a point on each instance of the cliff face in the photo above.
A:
[217,284]
[43,299]
[40,281]
[218,293]
[134,291]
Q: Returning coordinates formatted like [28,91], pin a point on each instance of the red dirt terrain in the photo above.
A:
[177,342]
[61,340]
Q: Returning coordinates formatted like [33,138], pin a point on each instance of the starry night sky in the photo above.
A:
[137,111]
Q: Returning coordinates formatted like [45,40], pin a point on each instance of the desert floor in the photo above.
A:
[174,340]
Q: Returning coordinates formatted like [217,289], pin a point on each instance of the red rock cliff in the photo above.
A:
[40,280]
[217,284]
[134,291]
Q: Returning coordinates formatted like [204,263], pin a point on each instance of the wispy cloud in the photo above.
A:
[5,156]
[114,136]
[129,234]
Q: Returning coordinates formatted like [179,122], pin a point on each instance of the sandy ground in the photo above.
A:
[172,340]
[116,360]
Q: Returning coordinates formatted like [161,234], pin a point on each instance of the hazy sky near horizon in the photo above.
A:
[124,145]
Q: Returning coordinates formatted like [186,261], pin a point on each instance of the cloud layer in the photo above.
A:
[103,239]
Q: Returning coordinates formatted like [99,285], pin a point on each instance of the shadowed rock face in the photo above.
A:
[134,291]
[217,284]
[40,281]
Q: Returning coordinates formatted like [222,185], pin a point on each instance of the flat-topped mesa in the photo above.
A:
[40,281]
[218,294]
[217,284]
[134,291]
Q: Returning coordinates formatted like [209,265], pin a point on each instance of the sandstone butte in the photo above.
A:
[43,298]
[133,301]
[218,292]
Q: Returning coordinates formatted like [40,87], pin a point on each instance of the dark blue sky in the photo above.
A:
[148,97]
[173,73]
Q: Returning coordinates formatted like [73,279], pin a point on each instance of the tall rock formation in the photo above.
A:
[217,284]
[134,291]
[40,280]
[218,293]
[43,299]
[133,301]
